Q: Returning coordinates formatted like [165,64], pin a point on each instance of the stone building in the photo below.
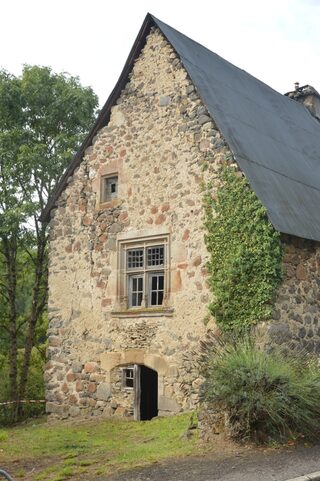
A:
[127,279]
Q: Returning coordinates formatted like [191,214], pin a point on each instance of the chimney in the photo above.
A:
[308,96]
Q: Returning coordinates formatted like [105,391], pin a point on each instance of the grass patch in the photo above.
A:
[3,435]
[63,451]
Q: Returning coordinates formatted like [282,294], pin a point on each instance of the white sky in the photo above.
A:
[277,41]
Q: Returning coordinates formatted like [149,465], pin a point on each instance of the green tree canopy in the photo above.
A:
[44,117]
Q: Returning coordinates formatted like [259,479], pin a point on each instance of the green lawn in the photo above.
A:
[82,450]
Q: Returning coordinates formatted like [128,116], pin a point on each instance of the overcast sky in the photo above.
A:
[277,41]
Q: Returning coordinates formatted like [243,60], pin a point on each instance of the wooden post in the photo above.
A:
[137,391]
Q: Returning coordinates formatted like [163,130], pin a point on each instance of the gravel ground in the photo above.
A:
[267,465]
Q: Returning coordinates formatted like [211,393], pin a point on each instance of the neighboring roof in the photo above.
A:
[274,139]
[308,96]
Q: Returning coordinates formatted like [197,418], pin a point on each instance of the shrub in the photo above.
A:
[265,396]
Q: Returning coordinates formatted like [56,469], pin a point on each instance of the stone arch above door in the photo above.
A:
[110,360]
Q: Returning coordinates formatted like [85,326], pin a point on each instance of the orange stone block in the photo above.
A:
[92,387]
[186,235]
[160,219]
[89,367]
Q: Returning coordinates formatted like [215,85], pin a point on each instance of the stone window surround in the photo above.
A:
[112,169]
[132,239]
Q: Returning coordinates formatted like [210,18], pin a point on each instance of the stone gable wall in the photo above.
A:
[163,145]
[295,324]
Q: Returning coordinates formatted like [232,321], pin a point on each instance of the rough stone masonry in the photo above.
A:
[163,146]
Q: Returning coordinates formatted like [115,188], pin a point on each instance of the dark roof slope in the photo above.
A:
[274,139]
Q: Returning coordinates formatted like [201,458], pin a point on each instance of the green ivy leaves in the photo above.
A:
[245,254]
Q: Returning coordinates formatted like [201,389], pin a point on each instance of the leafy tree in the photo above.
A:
[43,119]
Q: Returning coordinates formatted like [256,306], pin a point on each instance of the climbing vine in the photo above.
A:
[245,254]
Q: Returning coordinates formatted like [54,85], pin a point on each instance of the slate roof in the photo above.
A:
[274,139]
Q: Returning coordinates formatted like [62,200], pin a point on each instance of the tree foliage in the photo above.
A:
[43,119]
[245,254]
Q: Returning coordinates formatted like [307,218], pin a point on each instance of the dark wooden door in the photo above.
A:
[146,393]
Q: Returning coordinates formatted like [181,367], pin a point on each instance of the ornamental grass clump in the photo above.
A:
[264,396]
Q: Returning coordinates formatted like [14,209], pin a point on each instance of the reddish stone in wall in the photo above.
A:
[92,387]
[123,216]
[182,265]
[197,261]
[105,302]
[71,377]
[79,386]
[160,219]
[89,367]
[65,388]
[176,282]
[165,207]
[87,220]
[186,235]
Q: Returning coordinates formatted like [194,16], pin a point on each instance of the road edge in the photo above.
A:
[307,477]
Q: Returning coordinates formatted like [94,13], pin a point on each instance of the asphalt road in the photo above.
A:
[269,465]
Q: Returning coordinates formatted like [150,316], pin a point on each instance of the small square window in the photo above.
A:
[109,188]
[128,377]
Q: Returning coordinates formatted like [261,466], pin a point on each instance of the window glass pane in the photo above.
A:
[134,299]
[154,298]
[135,292]
[154,283]
[134,258]
[160,298]
[129,382]
[128,377]
[155,256]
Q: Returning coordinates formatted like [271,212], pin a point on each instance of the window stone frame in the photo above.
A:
[104,196]
[124,273]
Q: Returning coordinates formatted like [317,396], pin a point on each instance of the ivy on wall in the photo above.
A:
[245,254]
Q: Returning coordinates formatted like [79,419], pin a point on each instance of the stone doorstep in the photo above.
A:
[308,477]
